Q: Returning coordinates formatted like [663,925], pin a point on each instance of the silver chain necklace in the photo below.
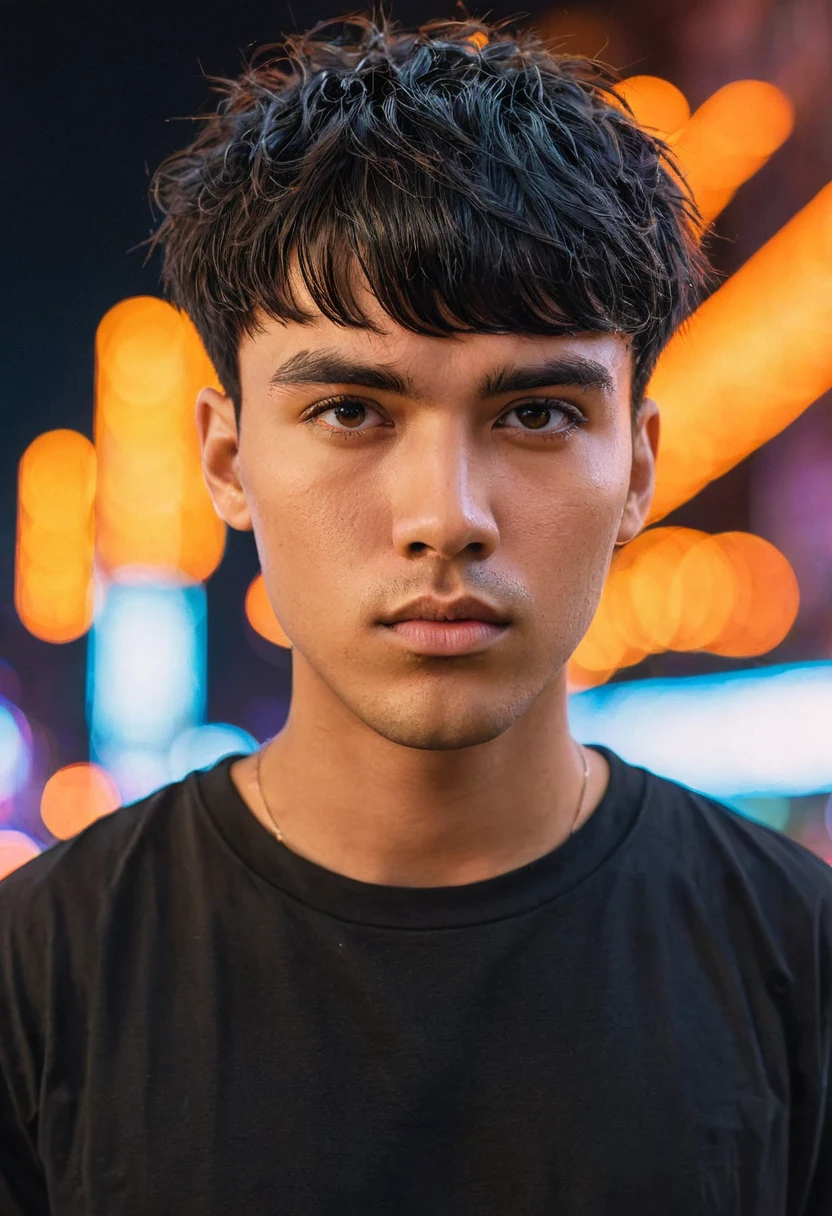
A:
[279,835]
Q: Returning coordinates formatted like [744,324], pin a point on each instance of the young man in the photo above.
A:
[423,954]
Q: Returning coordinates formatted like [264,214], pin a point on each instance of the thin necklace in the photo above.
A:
[279,834]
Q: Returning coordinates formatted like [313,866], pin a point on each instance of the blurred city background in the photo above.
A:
[136,642]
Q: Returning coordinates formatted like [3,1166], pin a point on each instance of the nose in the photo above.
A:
[441,492]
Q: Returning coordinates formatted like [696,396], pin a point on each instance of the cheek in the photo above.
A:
[562,543]
[309,536]
[601,498]
[575,517]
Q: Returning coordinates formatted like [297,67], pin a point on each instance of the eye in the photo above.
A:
[346,409]
[539,413]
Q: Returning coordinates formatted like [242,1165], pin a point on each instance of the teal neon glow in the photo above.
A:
[752,734]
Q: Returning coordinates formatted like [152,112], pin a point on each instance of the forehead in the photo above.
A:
[420,364]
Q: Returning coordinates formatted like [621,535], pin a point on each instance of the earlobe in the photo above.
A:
[217,429]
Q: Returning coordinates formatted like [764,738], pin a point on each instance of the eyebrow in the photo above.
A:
[329,366]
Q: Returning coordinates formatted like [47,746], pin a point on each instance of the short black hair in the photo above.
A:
[482,181]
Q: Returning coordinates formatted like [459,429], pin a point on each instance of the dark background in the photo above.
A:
[96,95]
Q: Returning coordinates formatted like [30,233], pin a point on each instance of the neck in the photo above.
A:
[353,801]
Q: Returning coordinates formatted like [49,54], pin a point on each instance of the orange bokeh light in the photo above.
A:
[153,508]
[768,600]
[678,588]
[711,588]
[729,138]
[657,105]
[260,614]
[55,549]
[15,850]
[752,358]
[650,609]
[75,796]
[141,352]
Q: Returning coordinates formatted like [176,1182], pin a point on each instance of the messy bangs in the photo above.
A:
[480,182]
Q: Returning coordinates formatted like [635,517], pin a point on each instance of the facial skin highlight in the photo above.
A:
[393,766]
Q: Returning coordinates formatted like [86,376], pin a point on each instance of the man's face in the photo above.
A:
[439,491]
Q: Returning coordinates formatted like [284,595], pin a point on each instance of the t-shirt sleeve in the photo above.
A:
[819,1199]
[23,1189]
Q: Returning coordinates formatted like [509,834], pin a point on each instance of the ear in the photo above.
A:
[217,428]
[646,431]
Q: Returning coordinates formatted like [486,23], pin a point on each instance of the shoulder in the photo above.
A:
[71,913]
[744,868]
[721,833]
[77,873]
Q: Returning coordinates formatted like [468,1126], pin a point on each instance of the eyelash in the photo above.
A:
[577,418]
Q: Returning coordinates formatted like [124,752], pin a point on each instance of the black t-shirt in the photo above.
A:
[194,1020]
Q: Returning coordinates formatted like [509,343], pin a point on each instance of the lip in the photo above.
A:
[464,608]
[445,637]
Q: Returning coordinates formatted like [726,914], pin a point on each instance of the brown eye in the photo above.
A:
[348,415]
[540,413]
[527,412]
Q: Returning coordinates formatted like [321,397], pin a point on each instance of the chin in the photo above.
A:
[449,724]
